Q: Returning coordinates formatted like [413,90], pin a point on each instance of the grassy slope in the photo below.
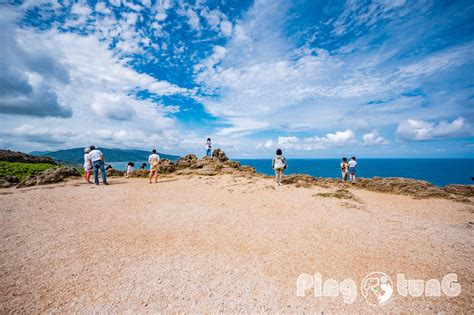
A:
[22,170]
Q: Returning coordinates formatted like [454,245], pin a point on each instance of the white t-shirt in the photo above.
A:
[352,163]
[152,159]
[208,145]
[95,155]
[87,164]
[130,169]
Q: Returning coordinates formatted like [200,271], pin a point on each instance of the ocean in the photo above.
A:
[439,172]
[436,171]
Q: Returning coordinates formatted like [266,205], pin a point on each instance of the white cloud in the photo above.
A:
[226,28]
[101,7]
[419,130]
[112,106]
[193,19]
[373,138]
[336,139]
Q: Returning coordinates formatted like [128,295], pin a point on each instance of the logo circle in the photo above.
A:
[376,288]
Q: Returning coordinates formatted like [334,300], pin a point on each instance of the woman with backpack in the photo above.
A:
[279,165]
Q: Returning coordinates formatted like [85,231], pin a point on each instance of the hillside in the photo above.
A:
[76,155]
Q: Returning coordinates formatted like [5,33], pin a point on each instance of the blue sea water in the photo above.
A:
[436,171]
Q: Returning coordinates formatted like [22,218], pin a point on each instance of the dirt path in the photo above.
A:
[222,244]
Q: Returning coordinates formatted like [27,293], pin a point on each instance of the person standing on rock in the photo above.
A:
[352,169]
[97,160]
[208,147]
[154,160]
[87,165]
[279,165]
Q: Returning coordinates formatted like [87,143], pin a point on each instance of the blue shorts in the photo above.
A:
[352,170]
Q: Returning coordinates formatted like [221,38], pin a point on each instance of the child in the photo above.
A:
[344,169]
[352,169]
[279,165]
[130,168]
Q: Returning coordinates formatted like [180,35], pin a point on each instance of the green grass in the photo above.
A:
[22,170]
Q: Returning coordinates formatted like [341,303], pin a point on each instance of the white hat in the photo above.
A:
[87,150]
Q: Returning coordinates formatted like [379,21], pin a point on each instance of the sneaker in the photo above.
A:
[106,183]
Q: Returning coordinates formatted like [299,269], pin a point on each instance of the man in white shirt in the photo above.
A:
[154,160]
[97,160]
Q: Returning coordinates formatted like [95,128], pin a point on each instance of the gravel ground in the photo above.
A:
[222,244]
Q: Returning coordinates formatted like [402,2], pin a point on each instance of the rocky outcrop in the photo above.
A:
[394,185]
[50,176]
[219,163]
[112,172]
[139,174]
[8,181]
[461,190]
[166,166]
[402,186]
[186,161]
[13,156]
[220,155]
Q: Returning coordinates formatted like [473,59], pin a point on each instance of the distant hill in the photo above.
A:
[76,155]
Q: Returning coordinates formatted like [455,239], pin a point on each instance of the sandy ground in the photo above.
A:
[222,244]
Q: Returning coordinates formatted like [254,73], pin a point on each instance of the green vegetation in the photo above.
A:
[23,170]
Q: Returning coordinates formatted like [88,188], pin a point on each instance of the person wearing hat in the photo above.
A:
[87,165]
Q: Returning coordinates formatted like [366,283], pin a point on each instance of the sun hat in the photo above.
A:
[87,150]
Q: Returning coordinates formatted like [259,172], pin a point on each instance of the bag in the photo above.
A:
[279,163]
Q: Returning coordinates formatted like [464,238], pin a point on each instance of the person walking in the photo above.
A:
[87,165]
[279,165]
[352,169]
[97,160]
[344,169]
[208,147]
[154,160]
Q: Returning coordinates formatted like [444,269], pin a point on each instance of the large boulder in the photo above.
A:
[218,153]
[166,166]
[14,156]
[50,176]
[186,161]
[8,181]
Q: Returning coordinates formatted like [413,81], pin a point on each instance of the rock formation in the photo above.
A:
[50,176]
[8,181]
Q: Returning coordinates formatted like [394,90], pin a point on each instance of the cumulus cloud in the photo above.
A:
[373,138]
[27,75]
[420,130]
[336,139]
[112,106]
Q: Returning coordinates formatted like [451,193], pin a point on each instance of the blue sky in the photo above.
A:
[315,78]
